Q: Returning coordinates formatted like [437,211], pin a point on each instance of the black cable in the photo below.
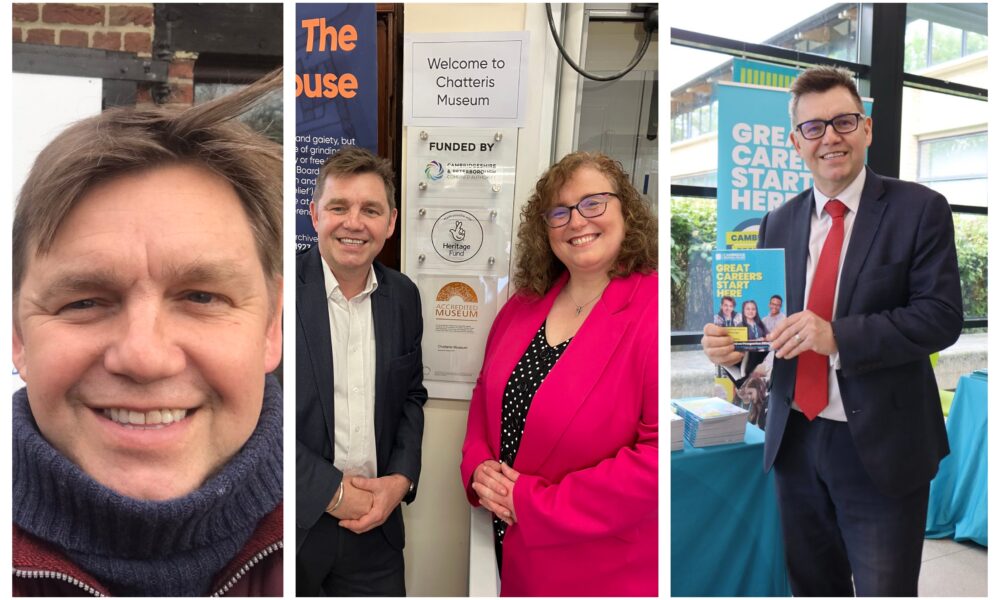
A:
[640,52]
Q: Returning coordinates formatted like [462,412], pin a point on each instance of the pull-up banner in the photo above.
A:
[755,72]
[336,94]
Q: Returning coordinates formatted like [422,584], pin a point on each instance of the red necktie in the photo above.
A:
[812,374]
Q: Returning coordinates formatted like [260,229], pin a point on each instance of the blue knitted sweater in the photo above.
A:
[139,547]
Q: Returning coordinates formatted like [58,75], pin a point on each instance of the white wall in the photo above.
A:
[437,524]
[43,106]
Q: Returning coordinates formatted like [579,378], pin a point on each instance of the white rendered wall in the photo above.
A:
[438,523]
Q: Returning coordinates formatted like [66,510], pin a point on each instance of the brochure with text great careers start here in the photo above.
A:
[749,295]
[749,292]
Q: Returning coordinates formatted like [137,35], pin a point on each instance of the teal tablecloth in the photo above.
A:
[725,537]
[958,504]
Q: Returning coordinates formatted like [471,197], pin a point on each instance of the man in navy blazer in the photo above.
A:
[360,393]
[853,480]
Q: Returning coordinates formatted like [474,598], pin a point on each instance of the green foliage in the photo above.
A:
[915,50]
[946,44]
[971,237]
[692,238]
[975,42]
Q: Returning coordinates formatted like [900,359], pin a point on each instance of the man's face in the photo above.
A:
[727,307]
[836,158]
[352,220]
[775,306]
[145,332]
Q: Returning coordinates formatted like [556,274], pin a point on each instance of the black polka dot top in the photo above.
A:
[529,373]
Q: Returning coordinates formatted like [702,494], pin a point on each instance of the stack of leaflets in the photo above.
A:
[676,432]
[711,421]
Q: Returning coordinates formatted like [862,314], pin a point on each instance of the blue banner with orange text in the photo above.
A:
[336,94]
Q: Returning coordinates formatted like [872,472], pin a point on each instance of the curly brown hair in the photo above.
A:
[537,267]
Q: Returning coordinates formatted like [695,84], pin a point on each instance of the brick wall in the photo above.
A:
[118,27]
[122,27]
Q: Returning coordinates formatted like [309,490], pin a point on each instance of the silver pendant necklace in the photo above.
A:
[580,307]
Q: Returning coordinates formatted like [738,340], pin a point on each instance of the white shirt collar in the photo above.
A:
[851,196]
[333,286]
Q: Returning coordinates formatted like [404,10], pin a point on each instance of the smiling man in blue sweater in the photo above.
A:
[147,314]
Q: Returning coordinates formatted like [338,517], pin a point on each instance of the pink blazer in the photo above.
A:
[586,499]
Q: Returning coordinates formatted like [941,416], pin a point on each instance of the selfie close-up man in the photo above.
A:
[147,298]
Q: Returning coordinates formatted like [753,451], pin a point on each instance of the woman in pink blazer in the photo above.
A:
[561,444]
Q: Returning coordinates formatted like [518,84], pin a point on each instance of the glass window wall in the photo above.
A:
[946,41]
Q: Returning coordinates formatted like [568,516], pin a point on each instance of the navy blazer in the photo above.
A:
[900,300]
[399,391]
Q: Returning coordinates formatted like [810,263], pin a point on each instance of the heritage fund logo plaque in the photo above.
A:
[457,236]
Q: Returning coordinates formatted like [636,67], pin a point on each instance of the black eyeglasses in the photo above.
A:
[816,128]
[590,207]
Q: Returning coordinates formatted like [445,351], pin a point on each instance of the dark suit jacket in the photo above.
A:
[399,391]
[899,302]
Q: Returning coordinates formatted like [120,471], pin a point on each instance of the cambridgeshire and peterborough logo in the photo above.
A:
[456,301]
[434,171]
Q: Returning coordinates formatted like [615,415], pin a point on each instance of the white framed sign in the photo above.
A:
[465,79]
[459,212]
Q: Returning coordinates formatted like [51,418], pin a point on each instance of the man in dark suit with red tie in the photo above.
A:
[855,429]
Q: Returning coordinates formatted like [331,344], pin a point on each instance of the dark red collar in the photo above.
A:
[34,554]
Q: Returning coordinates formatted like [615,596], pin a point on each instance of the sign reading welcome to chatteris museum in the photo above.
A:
[465,79]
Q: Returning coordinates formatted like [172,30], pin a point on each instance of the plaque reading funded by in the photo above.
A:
[462,167]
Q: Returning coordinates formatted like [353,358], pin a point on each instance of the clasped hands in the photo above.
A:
[368,502]
[794,335]
[494,483]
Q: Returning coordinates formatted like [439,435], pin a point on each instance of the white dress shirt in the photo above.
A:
[818,228]
[352,332]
